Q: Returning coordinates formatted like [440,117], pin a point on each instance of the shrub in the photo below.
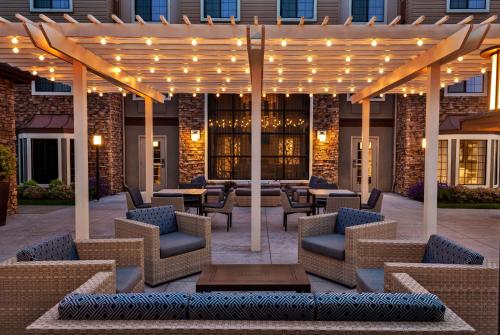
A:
[35,192]
[7,163]
[457,194]
[416,192]
[22,187]
[60,191]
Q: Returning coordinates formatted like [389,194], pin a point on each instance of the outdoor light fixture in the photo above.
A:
[493,53]
[321,135]
[97,140]
[195,135]
[156,144]
[424,143]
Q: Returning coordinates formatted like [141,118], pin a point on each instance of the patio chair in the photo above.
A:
[223,207]
[201,180]
[328,242]
[134,199]
[176,244]
[191,201]
[292,207]
[374,203]
[457,275]
[41,275]
[166,199]
[337,201]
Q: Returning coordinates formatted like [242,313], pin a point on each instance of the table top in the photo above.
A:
[321,192]
[184,191]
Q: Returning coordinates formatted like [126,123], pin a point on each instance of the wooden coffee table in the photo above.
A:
[253,277]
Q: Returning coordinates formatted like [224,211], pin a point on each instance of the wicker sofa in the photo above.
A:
[185,260]
[331,248]
[102,283]
[470,290]
[270,197]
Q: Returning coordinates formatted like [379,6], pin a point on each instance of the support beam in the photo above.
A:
[431,150]
[81,151]
[148,147]
[365,149]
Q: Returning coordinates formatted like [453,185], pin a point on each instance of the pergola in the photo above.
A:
[150,58]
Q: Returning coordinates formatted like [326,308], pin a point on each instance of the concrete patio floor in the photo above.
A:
[477,229]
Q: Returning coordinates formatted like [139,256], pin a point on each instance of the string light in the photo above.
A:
[284,43]
[14,40]
[271,59]
[374,43]
[460,58]
[194,42]
[420,42]
[186,70]
[195,59]
[348,59]
[309,59]
[51,70]
[118,58]
[103,41]
[387,59]
[219,70]
[152,70]
[34,72]
[41,57]
[329,43]
[15,50]
[483,70]
[381,71]
[313,71]
[233,59]
[448,70]
[157,58]
[239,42]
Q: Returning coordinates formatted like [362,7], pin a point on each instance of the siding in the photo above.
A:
[434,10]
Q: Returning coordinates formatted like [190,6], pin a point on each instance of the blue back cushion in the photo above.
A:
[130,306]
[58,248]
[440,250]
[251,306]
[348,217]
[163,217]
[378,307]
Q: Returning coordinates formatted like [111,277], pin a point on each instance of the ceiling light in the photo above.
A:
[381,71]
[194,42]
[103,41]
[313,71]
[228,80]
[139,79]
[118,58]
[421,93]
[217,95]
[157,58]
[483,70]
[348,59]
[247,70]
[52,79]
[405,95]
[334,95]
[455,80]
[219,70]
[239,42]
[387,59]
[94,88]
[275,89]
[195,59]
[15,50]
[326,89]
[280,80]
[198,79]
[169,79]
[300,89]
[329,43]
[271,59]
[287,95]
[100,94]
[310,95]
[233,59]
[41,57]
[460,58]
[152,70]
[448,70]
[442,85]
[369,80]
[172,89]
[14,40]
[197,89]
[194,95]
[374,43]
[186,70]
[51,70]
[309,59]
[351,89]
[116,69]
[223,89]
[249,89]
[120,89]
[280,71]
[34,72]
[241,95]
[284,43]
[310,80]
[404,89]
[420,42]
[124,94]
[149,41]
[339,80]
[347,71]
[89,90]
[381,95]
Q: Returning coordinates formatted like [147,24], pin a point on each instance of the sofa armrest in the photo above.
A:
[404,283]
[101,282]
[316,225]
[126,251]
[374,253]
[385,230]
[125,228]
[194,225]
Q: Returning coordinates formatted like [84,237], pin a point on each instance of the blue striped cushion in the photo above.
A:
[58,248]
[440,250]
[251,306]
[131,306]
[163,217]
[379,307]
[348,217]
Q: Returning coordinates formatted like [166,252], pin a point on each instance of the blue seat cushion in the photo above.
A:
[127,277]
[58,248]
[379,307]
[370,280]
[441,250]
[330,245]
[348,217]
[130,306]
[178,243]
[251,306]
[163,217]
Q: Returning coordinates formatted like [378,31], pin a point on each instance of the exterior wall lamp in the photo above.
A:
[424,143]
[156,144]
[493,53]
[97,140]
[195,135]
[321,135]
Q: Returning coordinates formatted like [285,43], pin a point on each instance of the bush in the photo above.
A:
[34,192]
[60,191]
[7,163]
[57,190]
[457,194]
[21,188]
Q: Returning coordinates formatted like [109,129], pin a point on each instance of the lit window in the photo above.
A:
[364,10]
[496,162]
[42,86]
[468,5]
[472,162]
[151,10]
[474,86]
[51,5]
[295,9]
[221,9]
[443,161]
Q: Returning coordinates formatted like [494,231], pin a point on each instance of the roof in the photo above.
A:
[488,122]
[14,74]
[48,123]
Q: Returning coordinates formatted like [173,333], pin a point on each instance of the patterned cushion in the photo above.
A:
[348,217]
[163,217]
[251,306]
[378,307]
[440,250]
[59,248]
[131,306]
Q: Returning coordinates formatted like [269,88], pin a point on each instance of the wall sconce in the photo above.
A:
[97,140]
[156,144]
[361,145]
[321,135]
[493,53]
[424,143]
[195,135]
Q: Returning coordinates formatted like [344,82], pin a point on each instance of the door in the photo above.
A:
[159,163]
[356,163]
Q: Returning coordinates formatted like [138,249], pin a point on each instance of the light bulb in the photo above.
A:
[309,59]
[149,41]
[460,58]
[420,42]
[387,59]
[14,40]
[51,70]
[247,70]
[152,70]
[329,43]
[448,70]
[186,70]
[41,57]
[233,59]
[313,71]
[339,80]
[483,70]
[381,71]
[118,58]
[34,72]
[271,59]
[284,43]
[347,71]
[348,59]
[219,70]
[52,79]
[194,42]
[195,59]
[103,41]
[239,42]
[15,50]
[374,43]
[169,79]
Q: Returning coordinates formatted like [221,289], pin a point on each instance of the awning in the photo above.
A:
[49,124]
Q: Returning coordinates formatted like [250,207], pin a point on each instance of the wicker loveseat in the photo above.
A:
[176,244]
[283,313]
[270,197]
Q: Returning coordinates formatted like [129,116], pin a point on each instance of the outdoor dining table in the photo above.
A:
[200,193]
[324,193]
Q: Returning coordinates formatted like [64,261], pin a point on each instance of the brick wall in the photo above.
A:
[8,132]
[191,154]
[104,117]
[326,154]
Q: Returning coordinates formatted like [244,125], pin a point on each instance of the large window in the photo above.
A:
[364,10]
[220,10]
[468,5]
[51,5]
[496,162]
[472,161]
[471,86]
[44,160]
[443,161]
[296,9]
[42,86]
[285,137]
[151,10]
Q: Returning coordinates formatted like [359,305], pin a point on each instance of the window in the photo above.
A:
[51,5]
[443,162]
[44,160]
[285,137]
[472,86]
[42,86]
[468,6]
[472,159]
[293,10]
[364,10]
[496,162]
[220,10]
[151,10]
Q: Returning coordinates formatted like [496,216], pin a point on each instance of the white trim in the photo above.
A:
[205,122]
[51,10]
[136,97]
[465,94]
[35,92]
[485,10]
[373,99]
[133,12]
[311,135]
[296,19]
[203,18]
[380,22]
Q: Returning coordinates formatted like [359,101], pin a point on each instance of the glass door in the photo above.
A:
[159,163]
[356,153]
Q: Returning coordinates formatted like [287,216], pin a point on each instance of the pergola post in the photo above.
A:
[365,148]
[148,147]
[431,150]
[81,151]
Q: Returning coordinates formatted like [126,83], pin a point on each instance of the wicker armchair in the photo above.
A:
[336,202]
[162,199]
[29,289]
[158,270]
[470,290]
[342,271]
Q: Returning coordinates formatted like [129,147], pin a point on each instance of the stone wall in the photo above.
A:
[105,117]
[326,154]
[8,132]
[191,154]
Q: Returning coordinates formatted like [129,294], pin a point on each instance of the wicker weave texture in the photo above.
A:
[333,204]
[265,201]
